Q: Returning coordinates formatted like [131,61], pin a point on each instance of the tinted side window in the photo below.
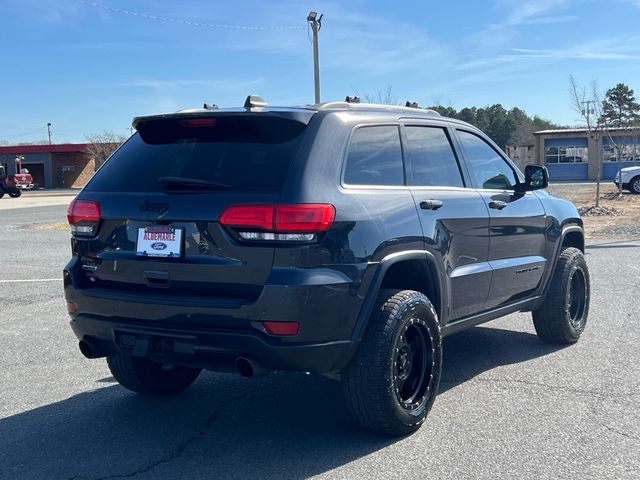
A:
[375,157]
[488,169]
[431,157]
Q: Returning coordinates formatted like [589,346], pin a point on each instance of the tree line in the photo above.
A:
[505,127]
[618,109]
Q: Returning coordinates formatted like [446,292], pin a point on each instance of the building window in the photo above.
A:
[566,154]
[629,153]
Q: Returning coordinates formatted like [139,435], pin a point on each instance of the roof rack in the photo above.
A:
[255,101]
[372,106]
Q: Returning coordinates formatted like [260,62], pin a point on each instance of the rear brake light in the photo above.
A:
[305,217]
[248,216]
[286,220]
[200,122]
[281,328]
[83,217]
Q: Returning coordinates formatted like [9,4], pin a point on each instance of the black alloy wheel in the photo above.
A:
[392,381]
[413,365]
[577,299]
[562,316]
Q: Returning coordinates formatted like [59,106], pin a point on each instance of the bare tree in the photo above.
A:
[384,97]
[588,104]
[101,145]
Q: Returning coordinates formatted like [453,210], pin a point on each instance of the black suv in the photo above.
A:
[341,239]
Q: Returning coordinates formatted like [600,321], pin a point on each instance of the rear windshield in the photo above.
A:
[240,152]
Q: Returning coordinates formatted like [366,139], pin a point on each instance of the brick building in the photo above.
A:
[65,165]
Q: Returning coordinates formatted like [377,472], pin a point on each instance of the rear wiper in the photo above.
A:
[191,182]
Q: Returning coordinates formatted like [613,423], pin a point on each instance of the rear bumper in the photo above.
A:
[210,333]
[208,348]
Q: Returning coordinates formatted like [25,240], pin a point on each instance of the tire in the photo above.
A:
[150,378]
[392,381]
[562,317]
[634,185]
[15,193]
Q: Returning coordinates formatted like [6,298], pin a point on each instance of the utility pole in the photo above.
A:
[588,110]
[49,131]
[316,24]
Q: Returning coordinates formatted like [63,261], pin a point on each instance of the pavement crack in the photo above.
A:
[619,432]
[179,450]
[544,385]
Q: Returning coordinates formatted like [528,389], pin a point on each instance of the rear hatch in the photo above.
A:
[160,197]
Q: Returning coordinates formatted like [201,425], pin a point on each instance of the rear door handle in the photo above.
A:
[497,204]
[431,204]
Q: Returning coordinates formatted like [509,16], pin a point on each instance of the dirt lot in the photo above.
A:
[625,224]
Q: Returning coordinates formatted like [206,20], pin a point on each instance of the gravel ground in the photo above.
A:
[618,216]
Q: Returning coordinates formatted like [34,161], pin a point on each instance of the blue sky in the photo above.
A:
[85,66]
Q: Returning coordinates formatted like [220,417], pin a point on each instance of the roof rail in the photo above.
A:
[371,106]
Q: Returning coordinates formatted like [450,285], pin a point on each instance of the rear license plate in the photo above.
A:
[159,241]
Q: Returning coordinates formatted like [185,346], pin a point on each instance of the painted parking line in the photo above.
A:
[25,280]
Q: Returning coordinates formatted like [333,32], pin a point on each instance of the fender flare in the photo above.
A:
[569,228]
[432,269]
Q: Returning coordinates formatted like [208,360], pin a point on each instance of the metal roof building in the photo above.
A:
[572,154]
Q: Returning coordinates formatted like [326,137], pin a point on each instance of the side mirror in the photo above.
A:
[535,178]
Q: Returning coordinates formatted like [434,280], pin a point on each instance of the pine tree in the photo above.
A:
[620,108]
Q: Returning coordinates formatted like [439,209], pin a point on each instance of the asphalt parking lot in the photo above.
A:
[509,407]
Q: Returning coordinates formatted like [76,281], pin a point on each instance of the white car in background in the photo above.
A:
[630,179]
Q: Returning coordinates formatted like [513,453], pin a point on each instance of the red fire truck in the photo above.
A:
[14,184]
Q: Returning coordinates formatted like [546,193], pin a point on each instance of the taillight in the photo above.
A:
[284,222]
[84,217]
[311,217]
[248,216]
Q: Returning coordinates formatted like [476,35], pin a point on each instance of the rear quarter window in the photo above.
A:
[374,157]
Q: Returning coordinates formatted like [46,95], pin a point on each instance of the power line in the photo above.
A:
[25,133]
[181,21]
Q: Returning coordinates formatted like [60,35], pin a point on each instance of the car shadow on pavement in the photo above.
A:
[478,350]
[278,426]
